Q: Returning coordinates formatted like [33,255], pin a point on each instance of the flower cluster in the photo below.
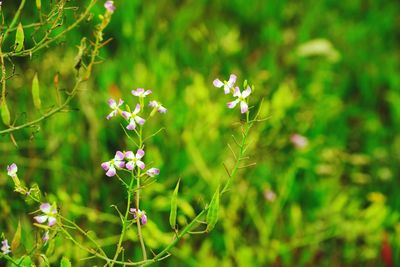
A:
[133,118]
[5,247]
[139,214]
[241,96]
[129,161]
[109,5]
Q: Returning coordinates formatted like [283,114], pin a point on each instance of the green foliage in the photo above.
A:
[174,206]
[328,70]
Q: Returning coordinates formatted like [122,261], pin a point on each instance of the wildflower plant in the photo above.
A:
[130,168]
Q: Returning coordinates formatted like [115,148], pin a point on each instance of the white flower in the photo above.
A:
[241,97]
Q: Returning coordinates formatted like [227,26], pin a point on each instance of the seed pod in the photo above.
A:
[39,4]
[174,206]
[36,92]
[213,211]
[19,38]
[17,238]
[5,113]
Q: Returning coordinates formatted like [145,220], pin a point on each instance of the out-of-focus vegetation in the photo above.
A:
[328,70]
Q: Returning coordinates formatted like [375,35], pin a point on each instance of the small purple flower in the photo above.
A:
[109,5]
[153,172]
[156,105]
[270,195]
[49,214]
[133,118]
[140,92]
[141,215]
[46,237]
[12,170]
[228,85]
[116,162]
[134,160]
[241,97]
[299,141]
[5,247]
[115,107]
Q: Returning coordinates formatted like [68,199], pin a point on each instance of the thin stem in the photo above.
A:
[47,40]
[124,222]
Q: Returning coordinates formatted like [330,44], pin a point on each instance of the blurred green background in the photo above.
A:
[328,70]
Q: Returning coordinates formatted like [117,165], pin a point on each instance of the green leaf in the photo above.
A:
[213,211]
[19,38]
[39,4]
[65,262]
[174,206]
[36,92]
[5,113]
[17,238]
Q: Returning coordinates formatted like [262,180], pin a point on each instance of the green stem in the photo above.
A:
[48,114]
[125,221]
[47,40]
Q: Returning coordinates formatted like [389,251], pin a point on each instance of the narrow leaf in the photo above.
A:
[17,238]
[213,211]
[65,262]
[5,113]
[36,92]
[19,38]
[174,206]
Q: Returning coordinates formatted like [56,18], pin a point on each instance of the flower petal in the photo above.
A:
[153,104]
[111,172]
[137,109]
[232,80]
[153,172]
[237,93]
[243,107]
[129,155]
[45,208]
[112,114]
[52,221]
[147,93]
[126,114]
[161,109]
[119,164]
[143,220]
[106,165]
[217,83]
[140,120]
[246,92]
[41,218]
[112,103]
[130,165]
[120,102]
[139,153]
[140,164]
[12,169]
[132,124]
[119,155]
[232,104]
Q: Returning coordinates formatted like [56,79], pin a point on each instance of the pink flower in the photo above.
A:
[156,105]
[299,141]
[133,118]
[12,170]
[270,195]
[49,214]
[153,172]
[228,85]
[139,214]
[140,92]
[116,162]
[5,247]
[241,98]
[134,160]
[109,5]
[115,107]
